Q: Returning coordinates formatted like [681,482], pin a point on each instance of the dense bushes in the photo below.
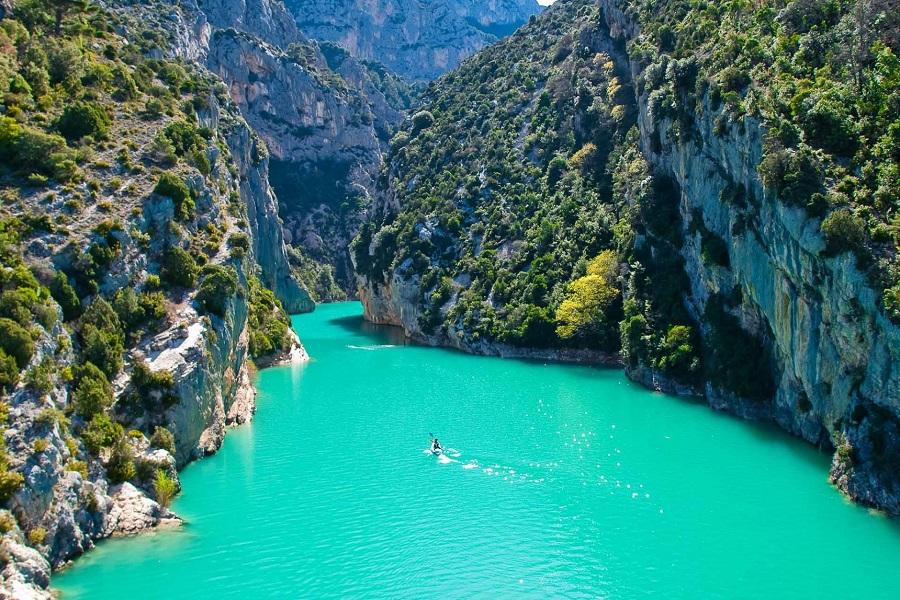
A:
[9,372]
[217,284]
[422,120]
[137,310]
[172,186]
[179,269]
[795,175]
[101,432]
[269,325]
[93,393]
[10,481]
[31,150]
[65,295]
[152,385]
[735,359]
[163,439]
[102,337]
[843,231]
[81,119]
[120,466]
[16,342]
[504,188]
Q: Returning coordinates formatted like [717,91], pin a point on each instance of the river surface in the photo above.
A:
[563,481]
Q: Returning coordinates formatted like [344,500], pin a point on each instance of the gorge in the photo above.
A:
[565,481]
[702,194]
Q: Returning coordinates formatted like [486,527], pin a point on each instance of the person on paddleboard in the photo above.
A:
[436,446]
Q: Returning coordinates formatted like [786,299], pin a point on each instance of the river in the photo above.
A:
[562,481]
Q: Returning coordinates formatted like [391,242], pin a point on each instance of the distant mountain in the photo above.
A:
[418,39]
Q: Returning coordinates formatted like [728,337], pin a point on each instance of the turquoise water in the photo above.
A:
[566,482]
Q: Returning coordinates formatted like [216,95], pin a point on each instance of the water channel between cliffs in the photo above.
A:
[564,481]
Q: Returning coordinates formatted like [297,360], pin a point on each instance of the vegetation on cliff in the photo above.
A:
[518,185]
[120,215]
[524,166]
[824,80]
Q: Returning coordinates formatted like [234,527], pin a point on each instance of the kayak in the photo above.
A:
[437,451]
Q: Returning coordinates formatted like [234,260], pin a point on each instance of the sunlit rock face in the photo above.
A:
[419,40]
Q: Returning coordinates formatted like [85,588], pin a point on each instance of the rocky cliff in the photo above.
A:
[836,354]
[324,116]
[140,286]
[418,40]
[732,284]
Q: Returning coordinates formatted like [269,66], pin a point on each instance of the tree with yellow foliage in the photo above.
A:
[583,312]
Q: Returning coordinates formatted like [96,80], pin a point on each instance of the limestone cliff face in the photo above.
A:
[324,123]
[266,19]
[67,502]
[269,250]
[836,356]
[319,132]
[419,40]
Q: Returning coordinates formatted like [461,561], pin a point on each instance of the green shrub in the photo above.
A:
[676,354]
[19,304]
[828,126]
[103,348]
[555,169]
[93,393]
[102,337]
[9,372]
[81,119]
[7,522]
[891,298]
[217,285]
[422,120]
[147,380]
[173,187]
[163,439]
[16,342]
[794,175]
[65,61]
[178,268]
[843,231]
[65,295]
[165,487]
[31,150]
[101,433]
[239,244]
[137,309]
[78,466]
[40,377]
[185,137]
[120,467]
[10,481]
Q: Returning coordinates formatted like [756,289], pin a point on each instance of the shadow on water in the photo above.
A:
[378,334]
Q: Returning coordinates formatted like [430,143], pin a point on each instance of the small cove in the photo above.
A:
[564,481]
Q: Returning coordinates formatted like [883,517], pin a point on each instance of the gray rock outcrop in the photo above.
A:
[419,40]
